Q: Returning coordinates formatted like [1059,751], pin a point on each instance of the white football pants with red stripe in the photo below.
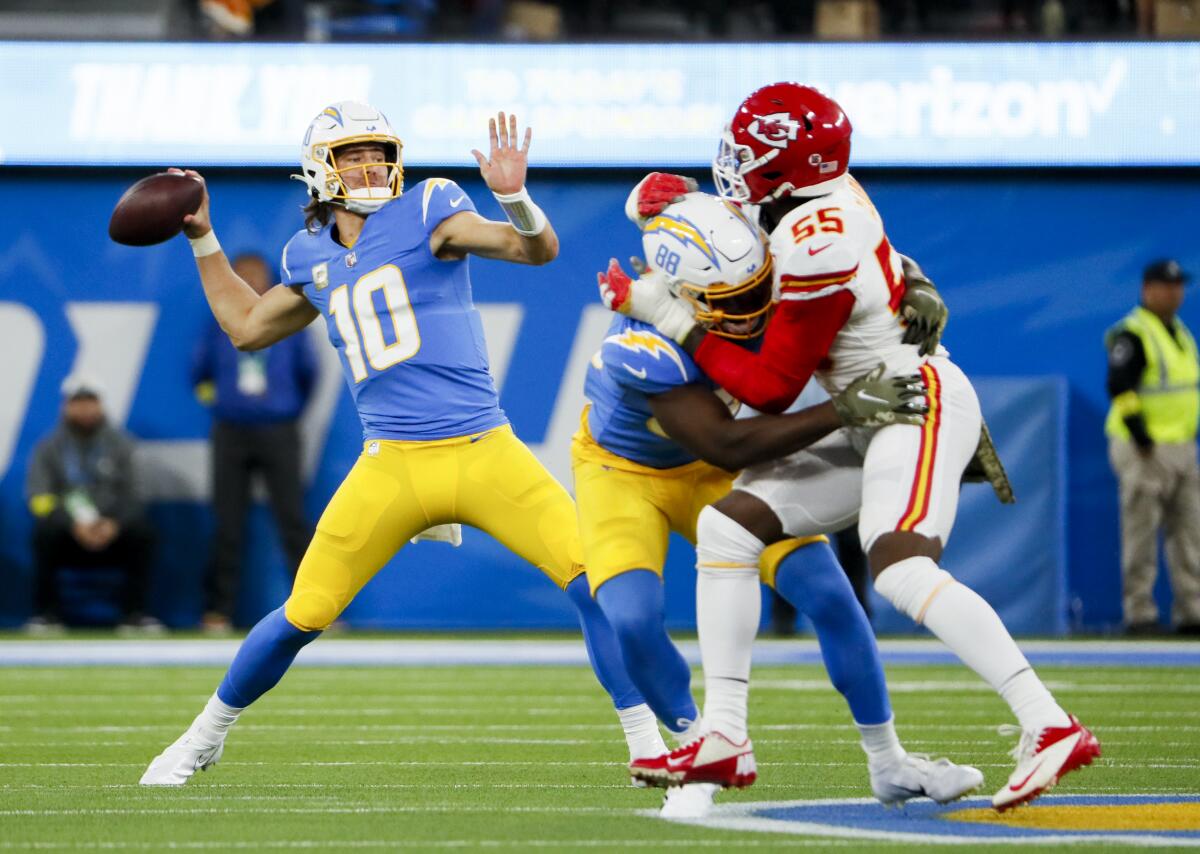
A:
[897,478]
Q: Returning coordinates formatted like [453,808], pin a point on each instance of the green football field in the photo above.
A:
[427,758]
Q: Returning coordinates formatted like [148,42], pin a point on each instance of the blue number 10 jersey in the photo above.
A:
[403,321]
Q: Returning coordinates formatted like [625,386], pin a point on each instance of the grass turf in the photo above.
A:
[509,757]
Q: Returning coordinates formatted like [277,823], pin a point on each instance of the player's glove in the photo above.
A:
[872,401]
[645,298]
[923,309]
[654,192]
[450,533]
[985,467]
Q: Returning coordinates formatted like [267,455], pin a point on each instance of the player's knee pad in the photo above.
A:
[912,584]
[311,610]
[722,543]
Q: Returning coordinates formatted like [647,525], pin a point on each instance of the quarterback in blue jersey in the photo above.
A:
[388,272]
[657,445]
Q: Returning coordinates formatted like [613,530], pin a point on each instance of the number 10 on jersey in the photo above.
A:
[354,308]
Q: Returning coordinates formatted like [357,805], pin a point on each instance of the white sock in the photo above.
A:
[694,730]
[728,609]
[1032,702]
[880,743]
[967,624]
[217,716]
[641,732]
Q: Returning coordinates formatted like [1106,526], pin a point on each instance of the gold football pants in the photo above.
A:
[395,490]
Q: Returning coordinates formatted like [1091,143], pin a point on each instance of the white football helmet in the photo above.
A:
[714,257]
[349,123]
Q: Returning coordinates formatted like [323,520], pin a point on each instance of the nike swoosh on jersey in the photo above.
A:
[640,373]
[812,252]
[456,202]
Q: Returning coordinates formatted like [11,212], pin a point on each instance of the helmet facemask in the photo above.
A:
[727,168]
[367,198]
[736,311]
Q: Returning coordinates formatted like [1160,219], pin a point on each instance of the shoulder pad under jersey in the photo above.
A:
[640,358]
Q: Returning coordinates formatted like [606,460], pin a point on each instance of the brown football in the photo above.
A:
[152,210]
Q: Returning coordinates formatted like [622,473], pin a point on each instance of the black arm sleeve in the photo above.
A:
[1126,362]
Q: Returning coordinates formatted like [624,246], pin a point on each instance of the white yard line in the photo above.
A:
[422,844]
[515,763]
[401,651]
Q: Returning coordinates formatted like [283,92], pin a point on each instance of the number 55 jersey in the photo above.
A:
[403,321]
[837,243]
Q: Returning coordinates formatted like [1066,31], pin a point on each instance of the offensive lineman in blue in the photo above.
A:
[388,272]
[658,443]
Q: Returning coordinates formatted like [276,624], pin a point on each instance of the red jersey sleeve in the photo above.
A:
[798,337]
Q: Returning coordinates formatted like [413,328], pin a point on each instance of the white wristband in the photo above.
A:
[206,244]
[526,217]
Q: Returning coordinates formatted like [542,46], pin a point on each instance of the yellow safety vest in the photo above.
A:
[1168,395]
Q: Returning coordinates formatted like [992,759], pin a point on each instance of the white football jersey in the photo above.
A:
[837,242]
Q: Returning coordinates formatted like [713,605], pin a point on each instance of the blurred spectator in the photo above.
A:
[1154,383]
[232,17]
[82,490]
[257,399]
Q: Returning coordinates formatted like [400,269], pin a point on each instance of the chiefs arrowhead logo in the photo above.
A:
[775,130]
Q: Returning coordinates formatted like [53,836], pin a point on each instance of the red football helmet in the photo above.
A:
[784,140]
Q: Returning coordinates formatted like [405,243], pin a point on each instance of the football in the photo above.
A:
[152,210]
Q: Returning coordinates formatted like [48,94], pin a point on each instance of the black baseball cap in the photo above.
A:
[1165,270]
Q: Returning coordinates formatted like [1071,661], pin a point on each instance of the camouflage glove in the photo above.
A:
[985,467]
[922,308]
[871,401]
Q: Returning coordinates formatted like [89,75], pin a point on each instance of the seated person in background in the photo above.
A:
[82,492]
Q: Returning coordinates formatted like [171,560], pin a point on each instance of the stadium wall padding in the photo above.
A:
[1034,266]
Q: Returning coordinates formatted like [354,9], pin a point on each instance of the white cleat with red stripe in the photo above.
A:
[1043,757]
[712,758]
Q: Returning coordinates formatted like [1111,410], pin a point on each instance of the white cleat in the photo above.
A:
[920,777]
[694,800]
[196,750]
[1043,757]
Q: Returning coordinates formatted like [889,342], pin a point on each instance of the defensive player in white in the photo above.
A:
[658,442]
[839,284]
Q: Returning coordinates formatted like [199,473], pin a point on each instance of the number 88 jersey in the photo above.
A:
[836,242]
[404,324]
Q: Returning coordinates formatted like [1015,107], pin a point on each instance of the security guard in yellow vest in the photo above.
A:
[1154,383]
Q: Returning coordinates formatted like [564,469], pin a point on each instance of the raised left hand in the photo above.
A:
[505,166]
